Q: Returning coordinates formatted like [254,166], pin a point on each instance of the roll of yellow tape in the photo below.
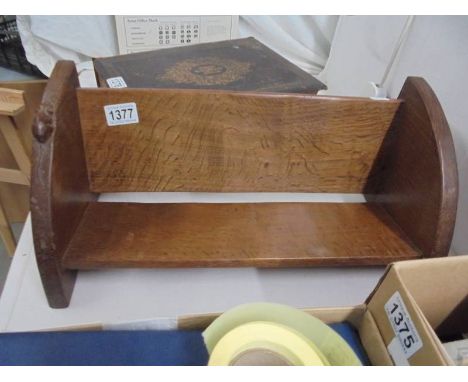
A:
[334,348]
[265,343]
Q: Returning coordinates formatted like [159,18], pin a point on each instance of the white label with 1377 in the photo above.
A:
[121,114]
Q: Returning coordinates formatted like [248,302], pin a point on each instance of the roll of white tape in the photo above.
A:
[265,344]
[335,349]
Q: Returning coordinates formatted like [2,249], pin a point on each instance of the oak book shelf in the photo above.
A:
[398,153]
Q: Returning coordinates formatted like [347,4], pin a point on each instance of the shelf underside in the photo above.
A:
[140,235]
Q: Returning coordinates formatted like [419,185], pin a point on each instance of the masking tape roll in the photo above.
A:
[334,348]
[265,343]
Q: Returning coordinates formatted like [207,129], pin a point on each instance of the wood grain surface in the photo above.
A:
[214,141]
[11,102]
[32,93]
[59,183]
[219,141]
[15,198]
[12,138]
[415,175]
[227,235]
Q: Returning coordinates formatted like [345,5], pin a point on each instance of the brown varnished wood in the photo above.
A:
[215,141]
[59,189]
[229,235]
[415,175]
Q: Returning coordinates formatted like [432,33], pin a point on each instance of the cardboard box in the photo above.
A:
[417,295]
[434,292]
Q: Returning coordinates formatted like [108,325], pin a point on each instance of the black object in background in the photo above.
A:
[455,325]
[12,55]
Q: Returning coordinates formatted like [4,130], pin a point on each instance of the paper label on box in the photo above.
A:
[116,82]
[403,326]
[396,352]
[121,114]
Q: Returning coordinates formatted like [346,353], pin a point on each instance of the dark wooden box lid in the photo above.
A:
[239,65]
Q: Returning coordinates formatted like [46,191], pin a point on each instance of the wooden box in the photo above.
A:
[398,153]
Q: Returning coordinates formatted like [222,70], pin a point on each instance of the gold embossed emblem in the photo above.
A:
[207,71]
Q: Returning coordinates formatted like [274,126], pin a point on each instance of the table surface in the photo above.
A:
[113,296]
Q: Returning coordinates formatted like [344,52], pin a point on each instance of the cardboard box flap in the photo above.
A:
[400,323]
[426,279]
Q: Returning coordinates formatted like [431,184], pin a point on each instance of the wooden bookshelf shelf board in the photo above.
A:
[226,235]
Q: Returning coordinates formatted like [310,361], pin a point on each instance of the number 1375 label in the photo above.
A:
[121,114]
[403,325]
